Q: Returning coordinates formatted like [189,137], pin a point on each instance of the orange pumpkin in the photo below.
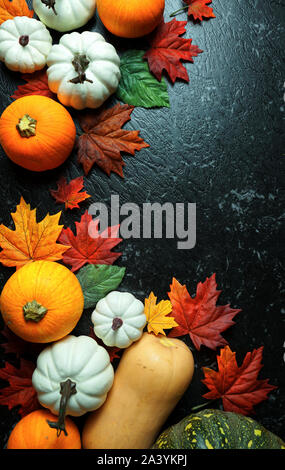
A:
[33,432]
[42,301]
[130,18]
[37,133]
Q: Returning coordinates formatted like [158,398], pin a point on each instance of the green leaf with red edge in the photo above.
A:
[70,194]
[37,84]
[89,245]
[20,390]
[198,9]
[104,139]
[238,387]
[168,49]
[200,317]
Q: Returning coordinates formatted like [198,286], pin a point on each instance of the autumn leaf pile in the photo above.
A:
[204,321]
[90,254]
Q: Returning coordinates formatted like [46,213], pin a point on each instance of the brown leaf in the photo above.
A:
[104,140]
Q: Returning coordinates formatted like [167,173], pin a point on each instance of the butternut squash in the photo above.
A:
[153,374]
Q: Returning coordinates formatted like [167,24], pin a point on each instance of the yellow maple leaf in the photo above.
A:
[30,241]
[156,315]
[10,9]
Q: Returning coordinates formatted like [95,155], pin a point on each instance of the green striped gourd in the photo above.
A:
[215,429]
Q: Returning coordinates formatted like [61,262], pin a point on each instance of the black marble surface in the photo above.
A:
[219,145]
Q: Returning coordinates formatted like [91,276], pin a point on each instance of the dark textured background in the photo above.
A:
[219,145]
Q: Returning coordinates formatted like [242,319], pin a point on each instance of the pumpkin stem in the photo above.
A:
[178,11]
[80,64]
[67,389]
[26,126]
[34,311]
[24,40]
[117,323]
[50,4]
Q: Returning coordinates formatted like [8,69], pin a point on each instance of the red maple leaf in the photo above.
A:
[199,9]
[168,49]
[69,193]
[104,140]
[238,387]
[112,351]
[37,84]
[20,390]
[200,317]
[16,345]
[89,245]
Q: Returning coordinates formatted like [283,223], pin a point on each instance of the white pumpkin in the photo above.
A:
[24,44]
[119,319]
[64,15]
[73,376]
[83,70]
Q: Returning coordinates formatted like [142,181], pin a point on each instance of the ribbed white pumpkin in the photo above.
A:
[64,15]
[83,70]
[81,360]
[119,319]
[24,44]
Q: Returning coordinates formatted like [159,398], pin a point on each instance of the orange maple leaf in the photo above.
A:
[199,9]
[10,9]
[30,241]
[69,193]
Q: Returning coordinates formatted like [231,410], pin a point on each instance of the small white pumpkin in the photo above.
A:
[83,70]
[73,376]
[24,44]
[119,319]
[64,15]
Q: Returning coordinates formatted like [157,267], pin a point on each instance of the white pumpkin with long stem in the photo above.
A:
[24,44]
[83,70]
[119,319]
[72,377]
[64,15]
